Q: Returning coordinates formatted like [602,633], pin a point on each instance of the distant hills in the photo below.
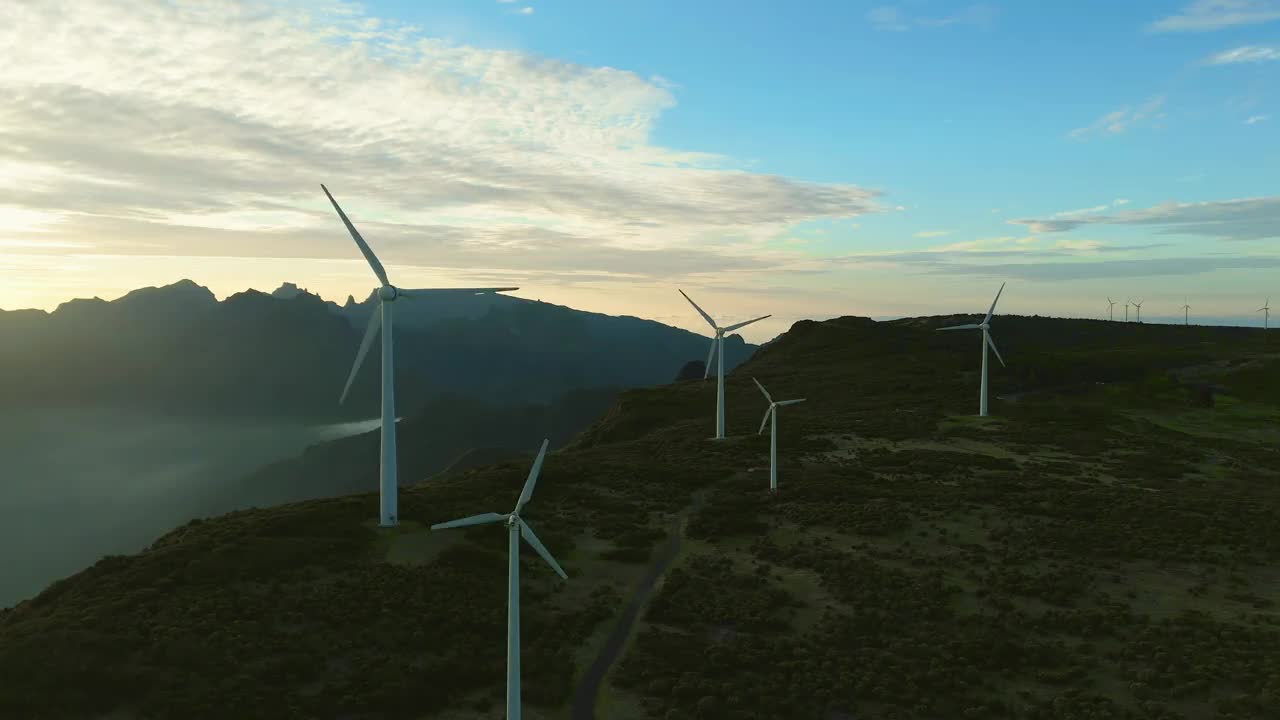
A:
[178,349]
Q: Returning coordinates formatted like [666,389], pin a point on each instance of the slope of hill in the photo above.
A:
[1092,550]
[177,349]
[447,428]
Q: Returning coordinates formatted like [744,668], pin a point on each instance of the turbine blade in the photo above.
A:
[765,420]
[766,392]
[527,492]
[731,328]
[706,373]
[473,520]
[993,303]
[364,246]
[419,292]
[370,332]
[701,312]
[526,532]
[992,344]
[961,327]
[790,402]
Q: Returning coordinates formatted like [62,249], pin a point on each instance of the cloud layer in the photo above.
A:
[205,129]
[1243,219]
[1208,15]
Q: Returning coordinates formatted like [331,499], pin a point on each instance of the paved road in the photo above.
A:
[584,698]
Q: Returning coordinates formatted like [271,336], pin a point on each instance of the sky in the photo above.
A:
[805,159]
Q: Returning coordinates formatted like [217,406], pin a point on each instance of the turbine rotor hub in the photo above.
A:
[387,293]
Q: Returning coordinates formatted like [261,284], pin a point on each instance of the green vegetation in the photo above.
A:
[1090,551]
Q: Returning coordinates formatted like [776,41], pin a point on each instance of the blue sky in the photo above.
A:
[905,139]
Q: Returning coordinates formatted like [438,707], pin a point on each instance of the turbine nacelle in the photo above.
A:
[388,293]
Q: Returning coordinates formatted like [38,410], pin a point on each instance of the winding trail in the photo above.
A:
[584,697]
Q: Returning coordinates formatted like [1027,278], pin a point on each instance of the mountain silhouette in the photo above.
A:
[178,349]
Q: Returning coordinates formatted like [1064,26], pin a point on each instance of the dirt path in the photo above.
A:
[584,698]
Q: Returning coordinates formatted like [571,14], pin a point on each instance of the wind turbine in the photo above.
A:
[516,529]
[772,412]
[1126,311]
[1186,313]
[985,327]
[388,294]
[1138,305]
[1111,308]
[718,342]
[1266,314]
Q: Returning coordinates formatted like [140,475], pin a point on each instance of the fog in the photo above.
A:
[77,485]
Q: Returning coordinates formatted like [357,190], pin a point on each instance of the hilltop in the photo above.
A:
[1104,545]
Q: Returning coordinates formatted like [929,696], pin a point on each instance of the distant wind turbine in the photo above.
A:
[1126,311]
[1138,304]
[1266,314]
[388,294]
[1186,312]
[717,348]
[516,529]
[1111,308]
[985,327]
[772,412]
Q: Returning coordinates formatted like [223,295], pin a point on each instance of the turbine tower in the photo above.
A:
[1126,311]
[1111,308]
[985,327]
[1266,314]
[388,294]
[717,349]
[516,529]
[772,412]
[1186,313]
[1138,304]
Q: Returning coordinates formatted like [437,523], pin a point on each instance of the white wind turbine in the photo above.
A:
[1186,313]
[985,327]
[516,529]
[772,412]
[1126,311]
[1111,308]
[388,294]
[1138,304]
[1266,314]
[717,348]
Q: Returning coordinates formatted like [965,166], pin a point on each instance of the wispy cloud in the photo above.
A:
[1207,15]
[152,136]
[1255,119]
[894,18]
[1007,242]
[1066,260]
[1245,54]
[526,10]
[931,233]
[1242,219]
[1114,123]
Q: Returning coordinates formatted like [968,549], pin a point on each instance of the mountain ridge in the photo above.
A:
[177,348]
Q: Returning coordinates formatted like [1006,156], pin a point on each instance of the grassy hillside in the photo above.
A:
[1103,546]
